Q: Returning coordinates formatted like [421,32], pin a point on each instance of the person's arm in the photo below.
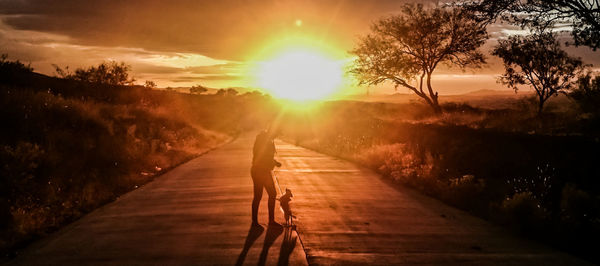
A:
[275,162]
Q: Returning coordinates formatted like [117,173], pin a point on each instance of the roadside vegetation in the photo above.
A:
[72,144]
[538,177]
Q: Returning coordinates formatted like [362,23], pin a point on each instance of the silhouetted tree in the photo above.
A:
[149,84]
[410,46]
[587,92]
[232,92]
[226,92]
[582,15]
[199,89]
[221,92]
[112,73]
[537,60]
[10,68]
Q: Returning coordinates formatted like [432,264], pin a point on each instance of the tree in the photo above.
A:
[149,84]
[10,68]
[537,60]
[232,92]
[221,92]
[410,46]
[587,92]
[199,89]
[111,73]
[582,15]
[227,92]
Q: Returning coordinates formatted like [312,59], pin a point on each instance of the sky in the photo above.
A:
[181,43]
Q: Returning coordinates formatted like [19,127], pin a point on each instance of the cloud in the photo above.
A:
[226,29]
[221,77]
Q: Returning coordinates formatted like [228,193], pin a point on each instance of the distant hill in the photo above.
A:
[487,92]
[486,98]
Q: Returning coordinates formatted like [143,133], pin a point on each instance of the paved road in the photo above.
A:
[348,215]
[199,213]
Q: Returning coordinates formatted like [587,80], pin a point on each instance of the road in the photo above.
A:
[199,214]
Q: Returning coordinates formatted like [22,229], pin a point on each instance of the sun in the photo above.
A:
[298,67]
[300,75]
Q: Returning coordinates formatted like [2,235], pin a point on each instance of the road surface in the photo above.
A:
[199,213]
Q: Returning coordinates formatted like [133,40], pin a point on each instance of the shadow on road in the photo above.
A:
[253,234]
[272,233]
[287,246]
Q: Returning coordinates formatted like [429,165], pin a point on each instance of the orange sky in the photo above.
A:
[183,43]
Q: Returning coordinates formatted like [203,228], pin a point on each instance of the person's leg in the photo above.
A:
[270,187]
[258,191]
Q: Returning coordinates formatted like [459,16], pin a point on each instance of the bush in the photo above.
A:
[578,208]
[9,69]
[524,212]
[111,73]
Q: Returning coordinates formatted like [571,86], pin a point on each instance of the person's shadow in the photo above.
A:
[253,234]
[272,233]
[287,246]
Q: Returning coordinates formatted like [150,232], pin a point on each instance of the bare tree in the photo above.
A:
[410,46]
[538,61]
[582,15]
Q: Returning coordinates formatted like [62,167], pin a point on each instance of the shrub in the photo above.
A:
[111,73]
[578,207]
[524,212]
[587,93]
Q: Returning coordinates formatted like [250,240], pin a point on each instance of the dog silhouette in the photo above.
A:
[284,202]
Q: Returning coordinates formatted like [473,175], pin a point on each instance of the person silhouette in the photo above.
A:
[263,162]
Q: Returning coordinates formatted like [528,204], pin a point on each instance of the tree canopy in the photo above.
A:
[583,16]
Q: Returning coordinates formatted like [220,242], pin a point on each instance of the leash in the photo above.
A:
[277,183]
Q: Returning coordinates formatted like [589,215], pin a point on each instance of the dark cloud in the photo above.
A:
[180,80]
[224,29]
[221,77]
[154,69]
[216,69]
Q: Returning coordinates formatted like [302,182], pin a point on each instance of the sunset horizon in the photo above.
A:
[192,53]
